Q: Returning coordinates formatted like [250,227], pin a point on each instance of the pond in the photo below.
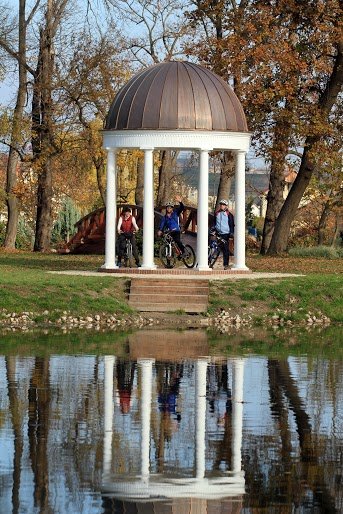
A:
[181,422]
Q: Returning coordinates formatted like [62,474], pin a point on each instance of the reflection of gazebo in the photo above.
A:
[147,487]
[183,106]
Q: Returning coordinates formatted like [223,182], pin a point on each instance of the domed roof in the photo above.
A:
[176,96]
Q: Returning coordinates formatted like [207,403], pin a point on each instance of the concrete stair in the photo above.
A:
[168,295]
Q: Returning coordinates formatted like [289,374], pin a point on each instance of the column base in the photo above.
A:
[203,268]
[239,267]
[148,266]
[109,266]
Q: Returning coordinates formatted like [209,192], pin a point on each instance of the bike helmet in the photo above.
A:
[224,202]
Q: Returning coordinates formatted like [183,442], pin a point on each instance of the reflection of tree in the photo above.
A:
[38,431]
[312,467]
[17,412]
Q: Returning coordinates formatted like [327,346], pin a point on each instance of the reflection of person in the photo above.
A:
[168,389]
[217,387]
[224,225]
[127,227]
[125,377]
[171,222]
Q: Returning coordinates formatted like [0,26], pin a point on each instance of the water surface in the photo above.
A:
[163,421]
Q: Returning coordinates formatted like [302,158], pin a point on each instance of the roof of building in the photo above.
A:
[176,96]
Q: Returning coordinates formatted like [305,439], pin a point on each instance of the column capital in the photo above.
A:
[147,148]
[205,149]
[240,152]
[109,149]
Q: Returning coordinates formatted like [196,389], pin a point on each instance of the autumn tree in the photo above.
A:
[284,60]
[88,81]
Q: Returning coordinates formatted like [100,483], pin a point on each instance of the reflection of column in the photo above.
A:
[108,413]
[146,369]
[237,413]
[202,221]
[111,210]
[200,413]
[148,210]
[239,250]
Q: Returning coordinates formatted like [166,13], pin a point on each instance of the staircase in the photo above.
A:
[168,295]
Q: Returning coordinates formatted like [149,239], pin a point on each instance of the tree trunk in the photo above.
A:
[165,174]
[100,181]
[283,223]
[44,218]
[322,223]
[275,197]
[326,101]
[139,193]
[43,132]
[13,157]
[226,174]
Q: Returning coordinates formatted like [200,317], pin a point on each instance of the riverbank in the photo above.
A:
[31,296]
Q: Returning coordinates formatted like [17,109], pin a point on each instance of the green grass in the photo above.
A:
[26,285]
[300,295]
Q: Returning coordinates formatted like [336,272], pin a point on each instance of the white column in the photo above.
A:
[202,221]
[200,419]
[146,374]
[148,210]
[239,258]
[237,414]
[111,208]
[108,413]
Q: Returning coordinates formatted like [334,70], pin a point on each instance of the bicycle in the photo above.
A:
[170,252]
[215,247]
[128,255]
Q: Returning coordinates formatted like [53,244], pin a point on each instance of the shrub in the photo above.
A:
[329,252]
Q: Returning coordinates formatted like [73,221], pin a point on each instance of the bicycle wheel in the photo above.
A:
[128,257]
[189,257]
[167,260]
[213,254]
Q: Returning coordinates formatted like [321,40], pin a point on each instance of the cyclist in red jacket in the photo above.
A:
[127,227]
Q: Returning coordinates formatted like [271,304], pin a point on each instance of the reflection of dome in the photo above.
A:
[173,96]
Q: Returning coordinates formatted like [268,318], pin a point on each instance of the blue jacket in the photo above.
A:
[224,221]
[172,222]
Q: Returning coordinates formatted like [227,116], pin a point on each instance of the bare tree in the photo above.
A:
[19,54]
[161,32]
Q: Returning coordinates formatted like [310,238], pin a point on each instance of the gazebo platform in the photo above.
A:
[191,273]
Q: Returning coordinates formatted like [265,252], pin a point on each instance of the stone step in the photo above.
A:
[167,298]
[171,307]
[165,295]
[175,282]
[169,289]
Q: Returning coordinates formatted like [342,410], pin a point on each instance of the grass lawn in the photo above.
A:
[25,285]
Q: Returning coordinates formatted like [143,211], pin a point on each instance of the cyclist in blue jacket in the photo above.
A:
[170,221]
[224,225]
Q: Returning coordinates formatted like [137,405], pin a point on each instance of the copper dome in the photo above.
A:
[176,96]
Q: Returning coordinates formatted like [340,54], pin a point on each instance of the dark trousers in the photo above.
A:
[176,235]
[225,247]
[121,245]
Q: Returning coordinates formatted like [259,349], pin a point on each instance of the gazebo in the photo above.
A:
[176,105]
